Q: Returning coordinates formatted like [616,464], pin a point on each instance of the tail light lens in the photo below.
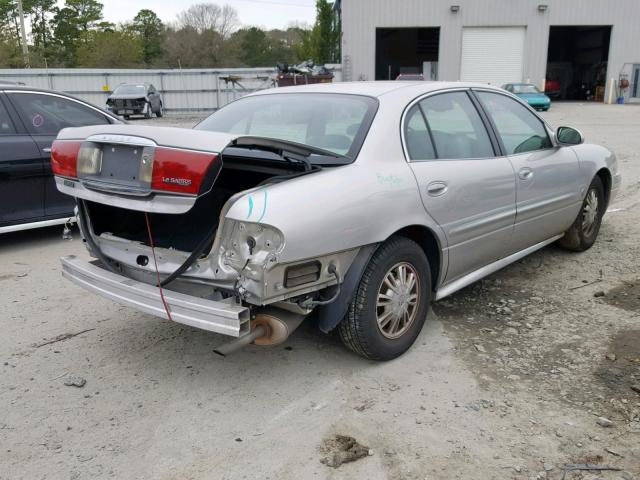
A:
[180,171]
[64,158]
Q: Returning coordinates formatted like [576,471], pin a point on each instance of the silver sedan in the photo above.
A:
[356,204]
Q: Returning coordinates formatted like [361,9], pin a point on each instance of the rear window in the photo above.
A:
[333,122]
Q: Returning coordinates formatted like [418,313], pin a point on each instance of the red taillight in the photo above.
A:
[64,158]
[180,171]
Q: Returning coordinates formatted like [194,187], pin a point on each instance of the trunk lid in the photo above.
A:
[151,169]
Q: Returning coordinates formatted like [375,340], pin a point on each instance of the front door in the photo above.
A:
[21,174]
[547,177]
[464,186]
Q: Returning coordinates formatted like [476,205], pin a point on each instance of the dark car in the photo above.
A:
[135,99]
[30,120]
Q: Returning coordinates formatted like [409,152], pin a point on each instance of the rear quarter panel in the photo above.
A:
[345,207]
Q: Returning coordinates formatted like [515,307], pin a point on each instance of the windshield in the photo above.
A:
[525,89]
[333,122]
[130,90]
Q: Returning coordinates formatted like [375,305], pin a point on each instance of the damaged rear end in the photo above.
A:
[152,205]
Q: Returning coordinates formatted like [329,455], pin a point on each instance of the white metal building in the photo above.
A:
[579,48]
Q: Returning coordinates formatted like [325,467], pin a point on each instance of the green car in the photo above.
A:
[530,94]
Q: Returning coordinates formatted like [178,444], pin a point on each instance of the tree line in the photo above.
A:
[205,35]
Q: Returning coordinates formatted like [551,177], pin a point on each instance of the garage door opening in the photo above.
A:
[577,62]
[409,51]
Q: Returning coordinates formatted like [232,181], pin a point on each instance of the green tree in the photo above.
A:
[110,49]
[38,11]
[150,30]
[256,47]
[71,25]
[322,43]
[66,35]
[87,14]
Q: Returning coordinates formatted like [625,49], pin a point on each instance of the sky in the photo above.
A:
[261,13]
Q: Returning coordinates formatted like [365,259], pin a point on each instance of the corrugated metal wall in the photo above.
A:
[182,90]
[360,18]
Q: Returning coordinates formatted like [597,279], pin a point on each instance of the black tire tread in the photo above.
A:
[573,239]
[350,328]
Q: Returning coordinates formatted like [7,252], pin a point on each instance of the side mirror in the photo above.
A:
[569,136]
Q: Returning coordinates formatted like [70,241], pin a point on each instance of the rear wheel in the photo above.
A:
[390,305]
[583,232]
[160,111]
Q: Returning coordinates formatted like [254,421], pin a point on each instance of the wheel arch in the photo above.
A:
[430,244]
[605,177]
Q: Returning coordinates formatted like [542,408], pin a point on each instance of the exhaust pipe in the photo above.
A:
[271,326]
[238,343]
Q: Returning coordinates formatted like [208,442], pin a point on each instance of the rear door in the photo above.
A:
[44,115]
[465,186]
[547,176]
[21,172]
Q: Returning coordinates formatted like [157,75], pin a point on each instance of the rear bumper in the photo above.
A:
[224,317]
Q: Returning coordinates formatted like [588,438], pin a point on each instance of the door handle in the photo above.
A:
[435,189]
[525,173]
[47,150]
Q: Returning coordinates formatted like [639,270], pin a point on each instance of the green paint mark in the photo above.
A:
[264,207]
[250,207]
[389,179]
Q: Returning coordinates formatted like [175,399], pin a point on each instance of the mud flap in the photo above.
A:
[329,316]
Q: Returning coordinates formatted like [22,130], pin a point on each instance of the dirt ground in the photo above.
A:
[508,380]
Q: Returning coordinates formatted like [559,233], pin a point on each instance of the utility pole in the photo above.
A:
[23,33]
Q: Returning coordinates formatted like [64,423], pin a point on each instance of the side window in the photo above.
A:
[48,114]
[6,126]
[456,127]
[520,130]
[417,136]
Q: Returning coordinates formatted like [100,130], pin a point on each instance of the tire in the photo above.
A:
[583,233]
[160,112]
[360,330]
[147,111]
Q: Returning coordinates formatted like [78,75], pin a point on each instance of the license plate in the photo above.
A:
[120,162]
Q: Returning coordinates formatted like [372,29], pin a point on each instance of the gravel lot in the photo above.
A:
[507,380]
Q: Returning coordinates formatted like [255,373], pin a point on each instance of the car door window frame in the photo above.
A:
[494,141]
[12,123]
[109,119]
[494,128]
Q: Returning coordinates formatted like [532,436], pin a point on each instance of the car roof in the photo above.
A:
[376,89]
[26,88]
